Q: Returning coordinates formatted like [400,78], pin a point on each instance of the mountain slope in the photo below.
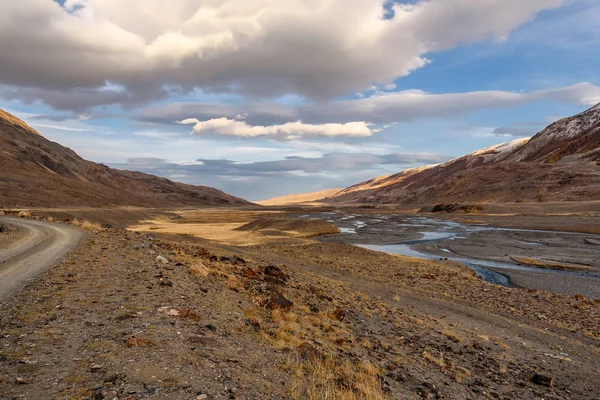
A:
[35,172]
[299,198]
[561,163]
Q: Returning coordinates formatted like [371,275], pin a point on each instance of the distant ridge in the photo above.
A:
[35,172]
[299,198]
[561,163]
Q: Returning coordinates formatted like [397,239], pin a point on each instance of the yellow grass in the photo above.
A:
[330,379]
[87,225]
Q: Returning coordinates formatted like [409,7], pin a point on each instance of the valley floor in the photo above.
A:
[286,318]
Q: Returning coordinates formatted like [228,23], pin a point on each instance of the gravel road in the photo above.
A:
[42,245]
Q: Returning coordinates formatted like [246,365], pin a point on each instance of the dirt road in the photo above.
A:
[42,245]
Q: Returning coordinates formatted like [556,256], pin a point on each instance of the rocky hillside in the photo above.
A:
[35,172]
[561,163]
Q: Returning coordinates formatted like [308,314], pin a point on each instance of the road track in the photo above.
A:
[42,246]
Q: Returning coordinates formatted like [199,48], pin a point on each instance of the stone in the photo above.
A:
[23,381]
[275,275]
[202,397]
[179,312]
[542,380]
[249,273]
[98,394]
[277,301]
[162,259]
[96,368]
[253,323]
[165,282]
[338,314]
[199,270]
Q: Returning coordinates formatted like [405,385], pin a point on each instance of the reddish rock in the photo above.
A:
[338,314]
[249,273]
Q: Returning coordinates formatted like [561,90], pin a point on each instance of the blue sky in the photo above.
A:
[263,98]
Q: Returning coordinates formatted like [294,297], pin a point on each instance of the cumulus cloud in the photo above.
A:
[254,47]
[288,131]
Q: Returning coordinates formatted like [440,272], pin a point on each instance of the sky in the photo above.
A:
[262,98]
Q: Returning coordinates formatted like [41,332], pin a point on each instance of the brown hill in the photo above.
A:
[299,198]
[35,172]
[561,163]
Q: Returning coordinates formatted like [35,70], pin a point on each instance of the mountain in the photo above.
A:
[561,163]
[298,198]
[35,172]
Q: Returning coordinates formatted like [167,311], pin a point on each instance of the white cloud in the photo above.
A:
[313,48]
[382,109]
[288,131]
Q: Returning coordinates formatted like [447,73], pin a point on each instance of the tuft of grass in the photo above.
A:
[329,379]
[87,225]
[452,335]
[439,361]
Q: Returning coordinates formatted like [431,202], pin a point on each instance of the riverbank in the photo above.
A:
[488,250]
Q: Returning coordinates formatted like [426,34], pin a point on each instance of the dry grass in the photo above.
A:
[452,335]
[329,379]
[87,225]
[439,361]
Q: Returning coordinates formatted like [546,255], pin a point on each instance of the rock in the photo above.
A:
[23,381]
[138,342]
[179,312]
[307,351]
[111,378]
[338,314]
[202,397]
[214,258]
[161,259]
[249,273]
[542,380]
[165,282]
[275,275]
[96,368]
[97,394]
[253,323]
[199,270]
[276,300]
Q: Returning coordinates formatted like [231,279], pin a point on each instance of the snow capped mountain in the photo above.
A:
[561,163]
